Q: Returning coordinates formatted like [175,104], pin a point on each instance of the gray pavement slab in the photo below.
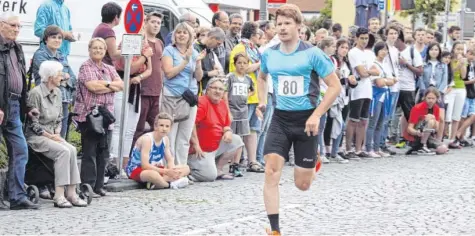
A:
[415,195]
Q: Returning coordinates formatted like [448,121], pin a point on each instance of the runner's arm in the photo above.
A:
[334,88]
[262,87]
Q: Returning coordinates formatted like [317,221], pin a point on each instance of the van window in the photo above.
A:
[169,20]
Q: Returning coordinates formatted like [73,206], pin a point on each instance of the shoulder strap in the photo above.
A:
[391,60]
[412,54]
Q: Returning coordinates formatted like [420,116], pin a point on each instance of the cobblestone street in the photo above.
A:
[400,195]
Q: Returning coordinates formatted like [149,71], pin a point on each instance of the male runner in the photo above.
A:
[295,68]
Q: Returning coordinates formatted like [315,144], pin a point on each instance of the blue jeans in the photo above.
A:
[17,153]
[321,128]
[265,126]
[337,141]
[64,122]
[375,126]
[384,134]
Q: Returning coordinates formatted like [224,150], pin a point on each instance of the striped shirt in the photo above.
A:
[15,83]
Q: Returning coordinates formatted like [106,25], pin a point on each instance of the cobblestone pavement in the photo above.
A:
[394,196]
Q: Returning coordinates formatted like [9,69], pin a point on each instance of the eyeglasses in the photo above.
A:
[219,89]
[13,25]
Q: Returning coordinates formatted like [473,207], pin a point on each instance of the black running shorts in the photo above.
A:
[287,129]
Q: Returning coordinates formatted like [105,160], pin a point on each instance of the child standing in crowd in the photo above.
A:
[152,162]
[240,86]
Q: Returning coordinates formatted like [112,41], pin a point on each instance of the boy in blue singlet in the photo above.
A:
[296,68]
[152,162]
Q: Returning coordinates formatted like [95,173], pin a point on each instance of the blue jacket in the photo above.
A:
[44,54]
[54,12]
[441,76]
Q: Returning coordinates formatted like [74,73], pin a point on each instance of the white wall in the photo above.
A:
[247,4]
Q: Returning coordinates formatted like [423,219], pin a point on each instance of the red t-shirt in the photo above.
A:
[210,121]
[418,113]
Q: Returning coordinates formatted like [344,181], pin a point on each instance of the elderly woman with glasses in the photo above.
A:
[97,84]
[213,141]
[53,38]
[43,134]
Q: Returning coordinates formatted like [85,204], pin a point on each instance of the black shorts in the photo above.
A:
[287,129]
[406,100]
[359,109]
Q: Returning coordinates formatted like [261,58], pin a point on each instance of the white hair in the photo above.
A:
[49,69]
[5,16]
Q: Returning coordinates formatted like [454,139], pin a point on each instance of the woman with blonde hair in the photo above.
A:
[182,67]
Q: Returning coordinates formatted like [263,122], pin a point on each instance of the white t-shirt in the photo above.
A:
[344,73]
[365,58]
[407,80]
[394,67]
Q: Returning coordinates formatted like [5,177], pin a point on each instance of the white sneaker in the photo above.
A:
[373,155]
[383,154]
[339,159]
[324,159]
[179,183]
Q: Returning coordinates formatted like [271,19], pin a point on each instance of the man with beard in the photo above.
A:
[233,37]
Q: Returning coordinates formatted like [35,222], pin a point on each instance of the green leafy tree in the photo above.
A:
[325,15]
[427,10]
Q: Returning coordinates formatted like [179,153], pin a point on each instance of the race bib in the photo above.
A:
[240,89]
[290,86]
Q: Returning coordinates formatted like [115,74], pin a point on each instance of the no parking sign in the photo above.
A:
[133,17]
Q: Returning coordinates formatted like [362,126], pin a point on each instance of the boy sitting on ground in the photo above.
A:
[151,161]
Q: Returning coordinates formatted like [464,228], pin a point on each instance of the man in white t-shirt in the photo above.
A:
[361,61]
[411,63]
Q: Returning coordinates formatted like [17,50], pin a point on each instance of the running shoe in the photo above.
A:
[234,169]
[426,151]
[364,156]
[150,186]
[343,155]
[339,159]
[179,183]
[401,145]
[270,232]
[465,143]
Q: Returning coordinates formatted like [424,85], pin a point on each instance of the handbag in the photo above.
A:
[95,121]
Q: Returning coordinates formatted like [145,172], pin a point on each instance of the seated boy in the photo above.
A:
[151,161]
[423,124]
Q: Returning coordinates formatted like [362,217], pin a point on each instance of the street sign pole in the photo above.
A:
[124,114]
[263,10]
[446,22]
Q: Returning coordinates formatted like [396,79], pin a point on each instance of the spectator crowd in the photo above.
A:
[193,104]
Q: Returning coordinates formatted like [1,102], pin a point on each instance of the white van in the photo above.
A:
[86,15]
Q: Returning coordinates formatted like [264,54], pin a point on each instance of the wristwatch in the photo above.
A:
[108,84]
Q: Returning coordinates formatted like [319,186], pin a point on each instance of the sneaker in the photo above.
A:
[426,151]
[324,159]
[270,232]
[339,159]
[179,183]
[234,169]
[455,145]
[383,154]
[401,145]
[150,186]
[388,151]
[373,155]
[465,143]
[412,151]
[342,155]
[364,155]
[352,156]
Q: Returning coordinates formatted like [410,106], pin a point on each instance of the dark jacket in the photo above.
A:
[4,72]
[207,63]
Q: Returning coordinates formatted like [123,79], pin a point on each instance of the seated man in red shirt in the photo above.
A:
[213,141]
[423,124]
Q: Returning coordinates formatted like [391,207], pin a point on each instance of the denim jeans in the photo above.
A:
[17,153]
[265,126]
[385,133]
[64,122]
[336,142]
[375,126]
